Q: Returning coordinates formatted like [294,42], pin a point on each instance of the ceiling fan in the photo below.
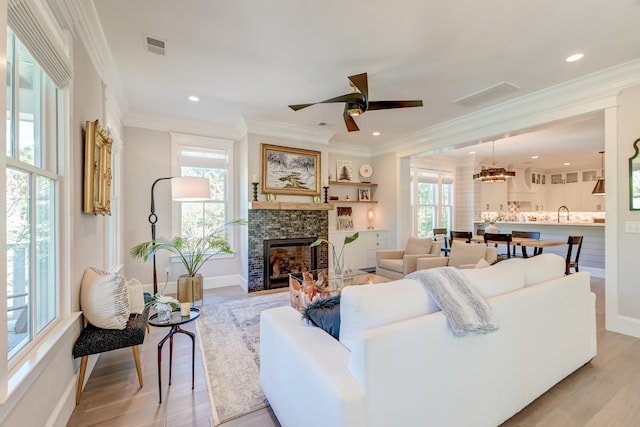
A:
[357,102]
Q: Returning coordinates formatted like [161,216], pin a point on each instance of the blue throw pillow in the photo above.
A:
[325,314]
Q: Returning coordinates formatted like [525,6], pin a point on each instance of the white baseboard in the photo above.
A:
[209,283]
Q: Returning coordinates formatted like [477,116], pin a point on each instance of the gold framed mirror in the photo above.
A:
[97,169]
[634,179]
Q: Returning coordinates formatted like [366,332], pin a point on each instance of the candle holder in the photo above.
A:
[255,191]
[326,194]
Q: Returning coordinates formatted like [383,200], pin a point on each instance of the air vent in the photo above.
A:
[488,94]
[155,45]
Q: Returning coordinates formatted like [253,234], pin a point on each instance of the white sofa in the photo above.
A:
[398,363]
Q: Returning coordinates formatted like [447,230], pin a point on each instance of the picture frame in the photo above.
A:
[344,171]
[364,194]
[97,169]
[287,170]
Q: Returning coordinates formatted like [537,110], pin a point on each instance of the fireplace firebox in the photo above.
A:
[284,256]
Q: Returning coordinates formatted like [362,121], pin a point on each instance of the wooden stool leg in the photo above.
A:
[83,368]
[136,357]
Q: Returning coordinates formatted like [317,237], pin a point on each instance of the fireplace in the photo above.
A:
[284,256]
[279,225]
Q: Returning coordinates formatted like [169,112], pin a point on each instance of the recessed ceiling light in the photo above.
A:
[376,133]
[193,98]
[566,163]
[472,152]
[534,157]
[575,57]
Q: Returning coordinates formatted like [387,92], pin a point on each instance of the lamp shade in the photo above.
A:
[598,190]
[190,189]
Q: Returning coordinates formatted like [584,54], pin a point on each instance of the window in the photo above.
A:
[32,188]
[433,201]
[213,159]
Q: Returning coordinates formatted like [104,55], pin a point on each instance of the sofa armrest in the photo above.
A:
[388,254]
[298,360]
[410,261]
[431,262]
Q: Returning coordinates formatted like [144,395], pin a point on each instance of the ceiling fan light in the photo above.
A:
[355,111]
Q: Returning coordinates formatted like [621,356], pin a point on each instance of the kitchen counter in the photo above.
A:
[547,223]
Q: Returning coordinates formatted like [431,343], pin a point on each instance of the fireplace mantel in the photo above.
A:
[292,206]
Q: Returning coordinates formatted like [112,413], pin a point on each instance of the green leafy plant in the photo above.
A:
[338,258]
[192,251]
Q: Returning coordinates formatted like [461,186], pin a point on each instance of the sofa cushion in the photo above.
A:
[540,268]
[498,279]
[104,299]
[392,264]
[417,246]
[465,253]
[371,306]
[325,314]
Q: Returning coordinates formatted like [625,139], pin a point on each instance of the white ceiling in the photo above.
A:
[251,59]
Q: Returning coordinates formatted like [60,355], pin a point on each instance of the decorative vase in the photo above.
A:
[491,228]
[190,288]
[164,314]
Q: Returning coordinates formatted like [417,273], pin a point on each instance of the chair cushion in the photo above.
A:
[392,264]
[466,253]
[104,299]
[417,246]
[93,340]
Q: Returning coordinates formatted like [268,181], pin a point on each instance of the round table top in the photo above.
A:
[176,318]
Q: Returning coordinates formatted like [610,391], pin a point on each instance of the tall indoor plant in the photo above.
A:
[194,252]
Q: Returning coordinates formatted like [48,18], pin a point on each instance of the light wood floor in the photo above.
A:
[605,392]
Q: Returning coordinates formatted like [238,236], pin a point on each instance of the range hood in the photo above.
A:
[518,187]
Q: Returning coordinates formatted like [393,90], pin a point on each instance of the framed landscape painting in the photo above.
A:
[288,170]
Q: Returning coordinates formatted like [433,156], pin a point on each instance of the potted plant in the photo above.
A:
[194,252]
[338,258]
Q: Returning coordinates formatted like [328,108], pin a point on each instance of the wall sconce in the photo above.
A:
[370,217]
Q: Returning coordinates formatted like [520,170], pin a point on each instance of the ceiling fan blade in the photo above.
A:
[349,97]
[386,105]
[351,124]
[360,82]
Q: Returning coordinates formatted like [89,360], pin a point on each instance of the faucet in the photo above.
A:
[566,209]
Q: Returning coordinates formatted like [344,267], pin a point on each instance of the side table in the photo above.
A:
[174,323]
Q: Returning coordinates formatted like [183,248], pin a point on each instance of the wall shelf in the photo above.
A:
[360,184]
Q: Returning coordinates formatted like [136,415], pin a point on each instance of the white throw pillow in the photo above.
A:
[136,296]
[370,306]
[496,280]
[465,253]
[104,299]
[483,263]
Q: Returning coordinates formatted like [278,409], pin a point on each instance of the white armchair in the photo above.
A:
[395,264]
[463,255]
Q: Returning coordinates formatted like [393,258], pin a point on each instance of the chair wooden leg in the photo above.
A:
[83,368]
[136,357]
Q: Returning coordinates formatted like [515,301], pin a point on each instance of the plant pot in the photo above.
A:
[491,228]
[190,288]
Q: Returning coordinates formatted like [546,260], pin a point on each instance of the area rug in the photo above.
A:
[229,337]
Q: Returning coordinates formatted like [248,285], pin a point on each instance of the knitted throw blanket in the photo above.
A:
[466,310]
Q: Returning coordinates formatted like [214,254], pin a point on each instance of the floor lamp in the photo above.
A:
[183,189]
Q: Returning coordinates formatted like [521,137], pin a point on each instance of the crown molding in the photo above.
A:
[344,149]
[579,96]
[287,130]
[168,124]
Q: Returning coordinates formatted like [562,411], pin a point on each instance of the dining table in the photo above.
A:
[537,244]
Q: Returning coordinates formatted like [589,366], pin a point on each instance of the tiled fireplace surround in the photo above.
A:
[265,224]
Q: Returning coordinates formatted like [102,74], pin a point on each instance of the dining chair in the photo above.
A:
[441,233]
[573,263]
[499,238]
[460,235]
[526,235]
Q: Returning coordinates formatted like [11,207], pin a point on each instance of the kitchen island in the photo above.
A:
[592,253]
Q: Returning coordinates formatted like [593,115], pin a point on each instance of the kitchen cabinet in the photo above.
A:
[493,196]
[589,202]
[567,194]
[360,253]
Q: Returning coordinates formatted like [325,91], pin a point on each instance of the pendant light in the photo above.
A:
[598,190]
[493,173]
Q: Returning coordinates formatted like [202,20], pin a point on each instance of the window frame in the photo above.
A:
[442,178]
[180,141]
